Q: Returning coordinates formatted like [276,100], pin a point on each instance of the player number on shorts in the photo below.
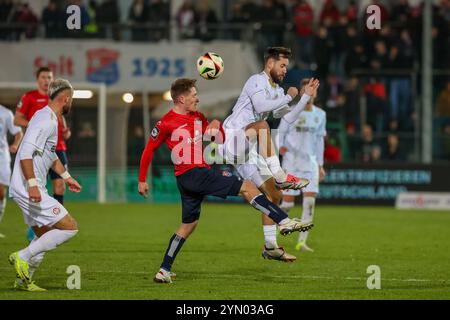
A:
[74,279]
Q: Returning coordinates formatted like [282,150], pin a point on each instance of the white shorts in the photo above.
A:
[45,213]
[254,172]
[5,172]
[290,165]
[236,148]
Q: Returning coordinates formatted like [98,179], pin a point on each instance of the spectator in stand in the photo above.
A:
[303,21]
[108,16]
[91,29]
[186,20]
[443,103]
[205,20]
[332,152]
[356,57]
[341,43]
[401,13]
[27,17]
[376,98]
[333,98]
[236,20]
[138,17]
[352,12]
[352,107]
[249,10]
[329,12]
[366,152]
[323,46]
[445,138]
[53,20]
[272,15]
[379,59]
[400,88]
[160,15]
[393,150]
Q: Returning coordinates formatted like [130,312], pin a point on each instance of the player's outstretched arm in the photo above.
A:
[262,104]
[59,168]
[310,90]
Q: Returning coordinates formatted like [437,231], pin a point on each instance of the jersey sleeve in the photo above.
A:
[13,129]
[322,132]
[159,134]
[34,140]
[37,136]
[255,90]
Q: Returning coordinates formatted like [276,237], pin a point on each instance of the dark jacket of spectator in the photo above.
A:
[329,12]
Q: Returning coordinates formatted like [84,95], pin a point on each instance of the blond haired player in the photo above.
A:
[48,218]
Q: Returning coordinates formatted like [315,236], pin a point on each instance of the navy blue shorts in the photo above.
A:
[197,183]
[62,156]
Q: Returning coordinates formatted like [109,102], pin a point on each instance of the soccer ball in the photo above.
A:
[210,66]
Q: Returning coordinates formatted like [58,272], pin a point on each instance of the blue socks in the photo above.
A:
[263,204]
[175,244]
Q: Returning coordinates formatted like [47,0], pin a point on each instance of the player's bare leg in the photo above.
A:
[2,204]
[309,201]
[271,249]
[259,132]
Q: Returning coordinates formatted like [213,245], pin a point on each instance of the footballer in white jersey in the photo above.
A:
[248,144]
[6,125]
[302,147]
[49,219]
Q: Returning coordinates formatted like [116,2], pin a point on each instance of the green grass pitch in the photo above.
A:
[119,249]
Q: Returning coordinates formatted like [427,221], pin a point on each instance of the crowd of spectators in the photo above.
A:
[368,77]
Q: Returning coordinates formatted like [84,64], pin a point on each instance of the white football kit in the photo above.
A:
[38,144]
[259,97]
[304,140]
[6,125]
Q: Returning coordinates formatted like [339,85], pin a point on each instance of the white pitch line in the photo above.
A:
[202,276]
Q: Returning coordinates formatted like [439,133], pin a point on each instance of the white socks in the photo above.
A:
[2,208]
[270,236]
[307,214]
[286,206]
[48,241]
[274,166]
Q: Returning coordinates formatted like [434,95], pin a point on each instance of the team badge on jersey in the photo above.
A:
[155,133]
[56,211]
[227,173]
